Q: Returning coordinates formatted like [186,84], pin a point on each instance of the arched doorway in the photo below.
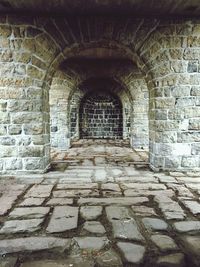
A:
[100,116]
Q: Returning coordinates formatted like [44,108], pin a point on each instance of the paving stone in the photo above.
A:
[91,212]
[21,226]
[75,193]
[77,180]
[155,224]
[193,206]
[116,172]
[77,186]
[59,201]
[108,259]
[91,243]
[87,162]
[39,191]
[181,190]
[32,202]
[34,244]
[100,175]
[111,193]
[143,186]
[8,262]
[164,242]
[126,201]
[63,219]
[131,171]
[6,204]
[138,192]
[137,179]
[29,213]
[172,260]
[166,179]
[100,160]
[69,262]
[132,253]
[188,180]
[94,227]
[111,187]
[193,185]
[144,211]
[14,189]
[170,208]
[187,226]
[192,246]
[124,226]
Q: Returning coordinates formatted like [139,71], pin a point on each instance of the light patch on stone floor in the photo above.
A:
[63,219]
[31,244]
[123,224]
[22,226]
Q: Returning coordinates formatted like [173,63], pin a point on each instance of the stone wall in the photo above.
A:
[96,84]
[61,86]
[100,116]
[34,48]
[174,101]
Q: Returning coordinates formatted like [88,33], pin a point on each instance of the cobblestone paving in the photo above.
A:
[100,216]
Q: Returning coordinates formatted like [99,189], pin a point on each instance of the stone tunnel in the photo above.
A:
[99,133]
[146,70]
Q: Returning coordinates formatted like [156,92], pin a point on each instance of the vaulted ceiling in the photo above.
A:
[118,7]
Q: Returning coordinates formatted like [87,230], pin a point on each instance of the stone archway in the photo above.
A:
[100,116]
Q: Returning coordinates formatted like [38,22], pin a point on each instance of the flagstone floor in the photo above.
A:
[100,206]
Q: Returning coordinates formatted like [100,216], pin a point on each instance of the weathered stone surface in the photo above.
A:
[63,219]
[33,244]
[181,190]
[143,211]
[126,201]
[21,226]
[100,175]
[32,202]
[132,253]
[187,226]
[193,206]
[138,192]
[192,245]
[164,242]
[75,262]
[75,193]
[170,208]
[171,260]
[90,212]
[8,262]
[94,227]
[77,186]
[155,224]
[143,186]
[29,213]
[6,204]
[110,187]
[109,259]
[39,191]
[124,226]
[91,243]
[59,201]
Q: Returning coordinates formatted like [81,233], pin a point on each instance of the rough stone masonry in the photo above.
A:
[151,66]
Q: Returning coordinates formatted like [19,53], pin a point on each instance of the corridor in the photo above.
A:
[100,206]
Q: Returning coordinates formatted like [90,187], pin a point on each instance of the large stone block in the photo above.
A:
[34,128]
[190,161]
[26,117]
[194,124]
[31,151]
[33,164]
[13,164]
